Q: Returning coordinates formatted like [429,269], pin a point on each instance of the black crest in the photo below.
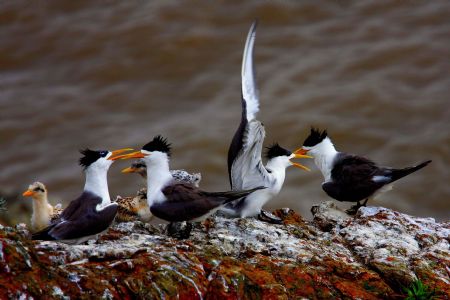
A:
[276,150]
[158,144]
[90,156]
[315,137]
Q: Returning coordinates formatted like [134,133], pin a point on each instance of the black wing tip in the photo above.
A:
[425,163]
[42,235]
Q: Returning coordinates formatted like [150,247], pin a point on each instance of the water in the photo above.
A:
[82,74]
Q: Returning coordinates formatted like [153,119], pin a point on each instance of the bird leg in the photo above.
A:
[352,210]
[179,230]
[268,217]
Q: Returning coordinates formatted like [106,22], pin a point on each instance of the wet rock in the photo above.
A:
[368,256]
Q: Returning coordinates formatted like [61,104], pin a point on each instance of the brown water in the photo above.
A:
[111,75]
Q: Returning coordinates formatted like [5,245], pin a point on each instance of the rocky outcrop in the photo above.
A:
[369,256]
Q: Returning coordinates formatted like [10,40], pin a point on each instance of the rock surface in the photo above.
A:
[369,256]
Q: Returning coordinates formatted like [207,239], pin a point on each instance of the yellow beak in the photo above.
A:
[300,166]
[28,193]
[129,170]
[136,154]
[301,153]
[116,152]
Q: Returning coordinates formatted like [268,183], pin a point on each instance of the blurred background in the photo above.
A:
[76,74]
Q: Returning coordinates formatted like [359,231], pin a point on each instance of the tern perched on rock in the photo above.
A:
[43,212]
[350,177]
[173,201]
[245,166]
[92,212]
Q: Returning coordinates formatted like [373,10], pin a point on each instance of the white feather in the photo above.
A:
[249,89]
[382,179]
[97,180]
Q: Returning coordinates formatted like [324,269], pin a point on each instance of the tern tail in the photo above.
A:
[400,173]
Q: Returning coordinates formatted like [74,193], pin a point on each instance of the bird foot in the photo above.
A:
[179,230]
[353,210]
[269,217]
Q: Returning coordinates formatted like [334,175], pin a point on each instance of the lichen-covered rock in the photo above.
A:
[369,256]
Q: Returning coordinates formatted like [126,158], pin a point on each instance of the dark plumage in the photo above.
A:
[350,177]
[158,144]
[276,150]
[79,219]
[315,137]
[238,138]
[90,156]
[186,202]
[356,178]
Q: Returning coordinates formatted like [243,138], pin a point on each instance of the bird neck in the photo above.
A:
[97,183]
[158,176]
[324,154]
[42,212]
[277,172]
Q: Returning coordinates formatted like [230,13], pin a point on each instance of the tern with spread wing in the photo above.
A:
[245,166]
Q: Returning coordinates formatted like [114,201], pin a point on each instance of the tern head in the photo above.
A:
[155,151]
[315,143]
[278,155]
[99,159]
[138,167]
[37,191]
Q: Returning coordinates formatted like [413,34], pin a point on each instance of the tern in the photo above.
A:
[92,212]
[349,177]
[173,201]
[245,166]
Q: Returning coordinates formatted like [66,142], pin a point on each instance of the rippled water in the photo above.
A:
[82,74]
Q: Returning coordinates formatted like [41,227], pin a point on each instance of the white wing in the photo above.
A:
[249,89]
[247,170]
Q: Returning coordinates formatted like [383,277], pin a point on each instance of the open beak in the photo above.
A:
[301,153]
[136,154]
[129,170]
[115,154]
[28,193]
[300,166]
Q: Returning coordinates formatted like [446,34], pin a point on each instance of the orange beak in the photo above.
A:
[28,193]
[301,151]
[136,154]
[300,166]
[129,170]
[115,153]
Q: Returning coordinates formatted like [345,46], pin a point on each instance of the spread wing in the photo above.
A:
[79,219]
[249,88]
[247,170]
[245,167]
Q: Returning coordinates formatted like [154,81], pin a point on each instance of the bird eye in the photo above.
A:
[103,153]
